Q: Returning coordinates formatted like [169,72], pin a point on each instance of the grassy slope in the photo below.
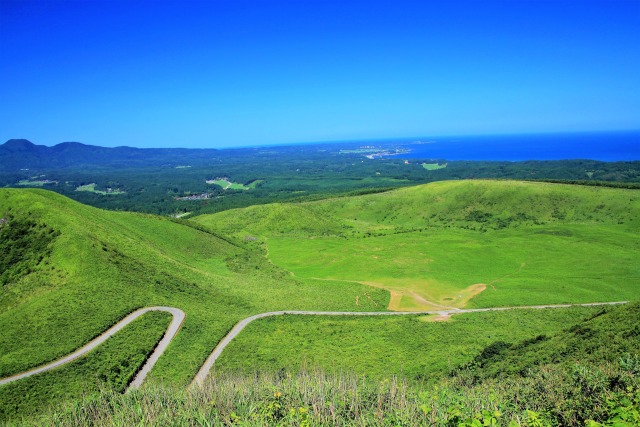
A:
[379,347]
[606,336]
[529,243]
[105,264]
[578,385]
[112,365]
[439,204]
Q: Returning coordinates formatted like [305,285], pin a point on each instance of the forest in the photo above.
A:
[174,182]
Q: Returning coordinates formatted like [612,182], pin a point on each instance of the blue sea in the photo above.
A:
[613,146]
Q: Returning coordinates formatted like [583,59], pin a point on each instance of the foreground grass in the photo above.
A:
[550,396]
[585,375]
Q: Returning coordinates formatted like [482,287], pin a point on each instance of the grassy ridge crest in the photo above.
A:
[477,204]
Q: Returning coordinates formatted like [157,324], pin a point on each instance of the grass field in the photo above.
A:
[84,269]
[433,166]
[103,265]
[379,347]
[228,185]
[569,263]
[35,183]
[91,188]
[436,245]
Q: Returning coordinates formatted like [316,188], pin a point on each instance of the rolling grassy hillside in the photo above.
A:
[70,271]
[457,243]
[551,380]
[109,367]
[478,204]
[83,269]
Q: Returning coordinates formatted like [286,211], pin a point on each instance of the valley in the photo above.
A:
[450,244]
[438,249]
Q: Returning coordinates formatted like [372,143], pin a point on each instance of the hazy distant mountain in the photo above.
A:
[18,154]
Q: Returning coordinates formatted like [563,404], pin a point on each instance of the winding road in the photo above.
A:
[179,316]
[172,330]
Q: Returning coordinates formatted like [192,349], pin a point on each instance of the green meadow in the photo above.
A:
[91,188]
[228,185]
[459,244]
[70,271]
[35,182]
[411,347]
[434,166]
[572,263]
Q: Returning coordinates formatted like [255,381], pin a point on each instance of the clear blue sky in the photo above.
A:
[228,73]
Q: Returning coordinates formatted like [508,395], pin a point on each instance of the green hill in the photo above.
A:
[606,336]
[457,243]
[275,219]
[478,204]
[590,370]
[70,271]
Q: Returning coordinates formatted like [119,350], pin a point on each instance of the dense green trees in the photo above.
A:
[289,174]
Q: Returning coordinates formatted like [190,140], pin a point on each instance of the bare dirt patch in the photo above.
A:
[406,299]
[467,294]
[394,301]
[416,301]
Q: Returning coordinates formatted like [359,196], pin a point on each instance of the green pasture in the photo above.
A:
[382,346]
[537,265]
[91,188]
[228,185]
[433,166]
[529,243]
[35,183]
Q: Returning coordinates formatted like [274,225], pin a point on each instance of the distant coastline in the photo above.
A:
[613,146]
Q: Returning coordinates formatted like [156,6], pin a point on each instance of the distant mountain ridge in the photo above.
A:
[16,154]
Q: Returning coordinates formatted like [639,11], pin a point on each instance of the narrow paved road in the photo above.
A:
[179,316]
[172,330]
